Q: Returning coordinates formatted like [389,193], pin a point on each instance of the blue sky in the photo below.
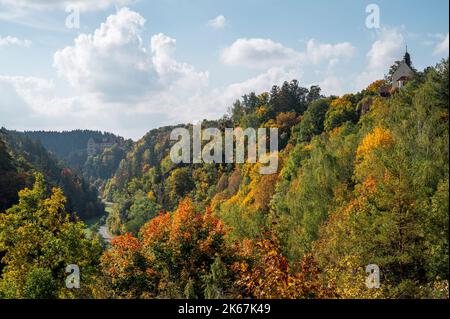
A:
[162,62]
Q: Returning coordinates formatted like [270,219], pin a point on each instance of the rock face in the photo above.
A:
[365,106]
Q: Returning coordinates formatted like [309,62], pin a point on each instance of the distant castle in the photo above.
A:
[96,145]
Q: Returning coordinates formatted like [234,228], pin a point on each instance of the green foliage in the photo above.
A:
[395,217]
[37,242]
[31,156]
[437,233]
[312,122]
[142,209]
[217,281]
[340,112]
[11,179]
[104,165]
[179,183]
[314,178]
[362,179]
[40,284]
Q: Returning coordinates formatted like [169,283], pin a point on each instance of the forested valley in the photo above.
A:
[362,180]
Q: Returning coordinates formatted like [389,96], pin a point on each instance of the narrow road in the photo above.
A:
[103,231]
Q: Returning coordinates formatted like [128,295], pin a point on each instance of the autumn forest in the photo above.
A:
[362,180]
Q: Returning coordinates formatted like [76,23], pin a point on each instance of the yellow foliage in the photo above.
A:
[349,280]
[375,86]
[261,111]
[151,196]
[308,147]
[379,108]
[341,101]
[379,138]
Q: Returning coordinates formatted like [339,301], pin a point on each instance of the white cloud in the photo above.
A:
[126,84]
[318,52]
[10,40]
[30,103]
[170,72]
[259,53]
[283,64]
[442,47]
[387,48]
[332,85]
[265,53]
[39,94]
[213,103]
[122,84]
[114,64]
[261,83]
[218,22]
[83,5]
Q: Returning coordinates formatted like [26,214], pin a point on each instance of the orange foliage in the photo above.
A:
[119,259]
[271,277]
[183,244]
[156,229]
[370,183]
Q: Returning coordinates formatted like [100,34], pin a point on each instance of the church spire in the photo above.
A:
[407,57]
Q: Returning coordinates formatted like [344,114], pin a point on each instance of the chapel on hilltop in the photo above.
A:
[403,73]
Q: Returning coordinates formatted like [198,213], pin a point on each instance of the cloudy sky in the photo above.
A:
[133,65]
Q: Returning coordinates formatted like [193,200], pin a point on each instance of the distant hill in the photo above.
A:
[22,156]
[11,178]
[70,145]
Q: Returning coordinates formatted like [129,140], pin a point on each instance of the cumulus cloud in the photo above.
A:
[218,22]
[260,83]
[114,64]
[318,52]
[259,53]
[387,48]
[10,40]
[31,103]
[129,84]
[332,85]
[442,47]
[265,53]
[123,83]
[213,103]
[173,74]
[84,5]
